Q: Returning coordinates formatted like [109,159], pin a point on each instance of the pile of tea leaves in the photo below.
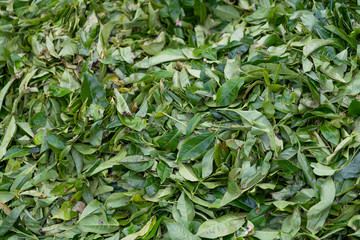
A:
[179,119]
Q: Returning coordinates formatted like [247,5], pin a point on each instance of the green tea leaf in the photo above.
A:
[169,141]
[10,220]
[221,226]
[92,91]
[228,92]
[143,231]
[226,12]
[318,213]
[195,146]
[354,108]
[9,134]
[304,165]
[183,119]
[4,91]
[98,224]
[55,142]
[186,208]
[315,44]
[163,170]
[178,232]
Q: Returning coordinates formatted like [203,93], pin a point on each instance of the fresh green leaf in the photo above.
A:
[221,226]
[195,146]
[228,92]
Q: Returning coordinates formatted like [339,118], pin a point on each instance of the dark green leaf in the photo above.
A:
[169,141]
[354,108]
[93,92]
[228,91]
[10,220]
[195,146]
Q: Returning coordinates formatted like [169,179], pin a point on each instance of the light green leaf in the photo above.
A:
[152,47]
[9,134]
[322,170]
[226,12]
[70,49]
[94,207]
[136,123]
[207,163]
[314,44]
[267,234]
[317,214]
[164,56]
[116,200]
[4,91]
[291,224]
[187,172]
[186,207]
[121,104]
[232,70]
[6,196]
[84,149]
[98,224]
[221,226]
[116,160]
[177,231]
[50,47]
[147,227]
